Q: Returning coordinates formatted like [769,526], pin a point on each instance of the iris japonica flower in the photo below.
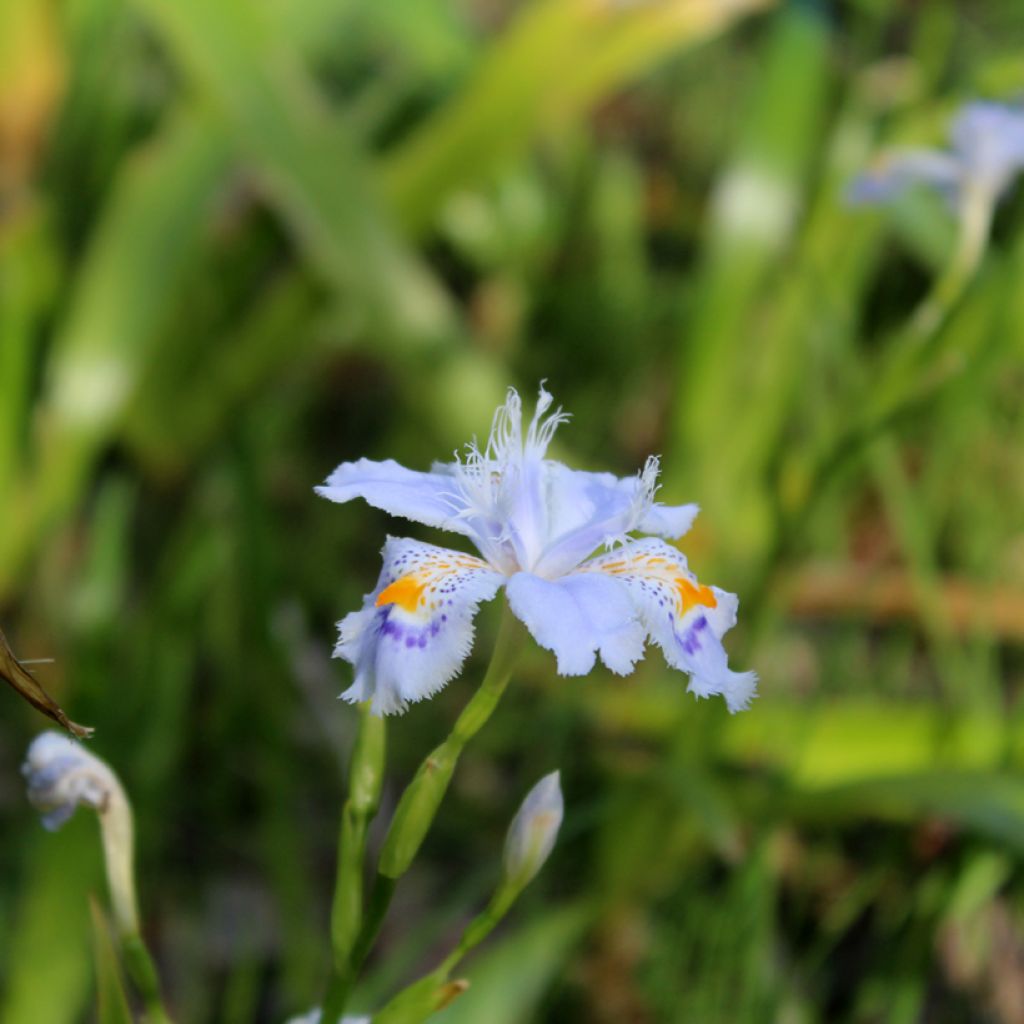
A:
[537,525]
[986,154]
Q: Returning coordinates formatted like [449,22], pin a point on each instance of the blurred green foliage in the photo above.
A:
[242,241]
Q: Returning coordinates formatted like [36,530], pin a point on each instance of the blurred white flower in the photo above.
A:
[62,775]
[985,155]
[313,1017]
[533,831]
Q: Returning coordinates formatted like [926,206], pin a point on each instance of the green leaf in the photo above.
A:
[47,975]
[111,999]
[313,171]
[147,233]
[556,59]
[17,676]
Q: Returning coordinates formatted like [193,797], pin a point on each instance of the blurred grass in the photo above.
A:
[240,242]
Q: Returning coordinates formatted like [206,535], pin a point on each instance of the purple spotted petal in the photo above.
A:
[686,620]
[416,627]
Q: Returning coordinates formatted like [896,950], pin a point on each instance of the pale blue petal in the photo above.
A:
[989,140]
[899,170]
[578,617]
[408,648]
[588,510]
[428,498]
[669,521]
[686,620]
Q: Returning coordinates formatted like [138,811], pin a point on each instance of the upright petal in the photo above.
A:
[578,617]
[669,521]
[415,629]
[587,510]
[685,618]
[428,498]
[989,139]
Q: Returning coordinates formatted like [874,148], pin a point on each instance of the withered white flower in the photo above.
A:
[62,776]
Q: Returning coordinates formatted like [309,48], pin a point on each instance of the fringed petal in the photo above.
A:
[685,618]
[428,498]
[415,629]
[578,617]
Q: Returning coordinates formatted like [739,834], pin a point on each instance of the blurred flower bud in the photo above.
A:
[533,831]
[313,1017]
[61,775]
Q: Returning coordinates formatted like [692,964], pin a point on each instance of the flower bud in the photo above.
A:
[313,1017]
[533,831]
[62,775]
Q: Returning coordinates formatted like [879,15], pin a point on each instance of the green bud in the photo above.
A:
[417,810]
[533,831]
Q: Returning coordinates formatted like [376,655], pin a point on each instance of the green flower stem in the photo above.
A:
[428,994]
[904,381]
[418,807]
[142,970]
[482,925]
[366,776]
[976,208]
[365,779]
[117,832]
[912,367]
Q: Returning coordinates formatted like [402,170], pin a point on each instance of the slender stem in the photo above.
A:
[417,1001]
[418,807]
[976,207]
[903,382]
[416,812]
[376,911]
[142,970]
[480,927]
[117,831]
[366,775]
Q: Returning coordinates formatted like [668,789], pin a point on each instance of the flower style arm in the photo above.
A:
[589,510]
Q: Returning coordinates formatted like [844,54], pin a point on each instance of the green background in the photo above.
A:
[244,240]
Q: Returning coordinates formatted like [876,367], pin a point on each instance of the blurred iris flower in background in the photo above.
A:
[985,155]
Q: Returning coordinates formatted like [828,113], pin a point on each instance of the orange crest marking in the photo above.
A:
[406,592]
[688,593]
[693,594]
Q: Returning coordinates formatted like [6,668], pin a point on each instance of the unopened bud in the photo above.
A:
[533,831]
[62,775]
[314,1017]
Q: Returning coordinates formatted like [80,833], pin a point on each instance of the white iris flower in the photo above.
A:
[537,525]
